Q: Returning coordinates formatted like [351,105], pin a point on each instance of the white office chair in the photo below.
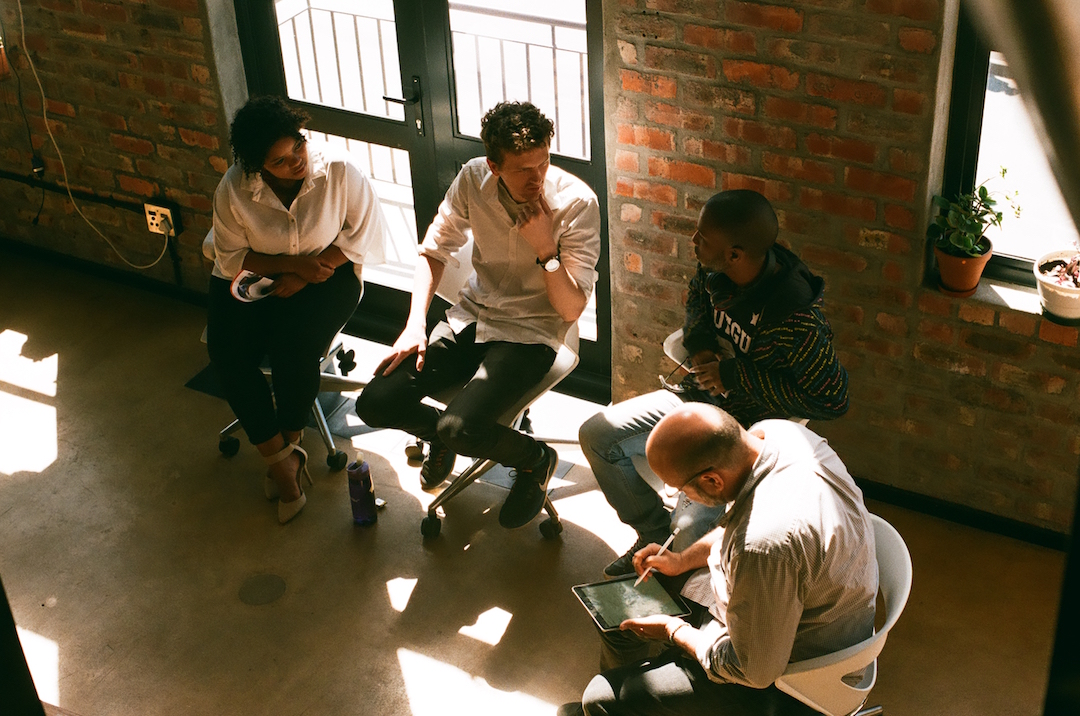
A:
[819,682]
[453,280]
[333,380]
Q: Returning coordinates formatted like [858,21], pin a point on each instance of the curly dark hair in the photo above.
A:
[514,127]
[258,124]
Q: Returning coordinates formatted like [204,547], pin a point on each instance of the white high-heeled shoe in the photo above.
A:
[270,488]
[288,510]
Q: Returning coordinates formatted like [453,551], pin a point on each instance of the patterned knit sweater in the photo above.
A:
[775,345]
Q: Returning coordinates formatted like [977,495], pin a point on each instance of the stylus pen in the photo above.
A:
[663,548]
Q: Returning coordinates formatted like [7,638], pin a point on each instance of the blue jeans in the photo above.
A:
[610,440]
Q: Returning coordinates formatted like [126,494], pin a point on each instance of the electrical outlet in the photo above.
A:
[154,217]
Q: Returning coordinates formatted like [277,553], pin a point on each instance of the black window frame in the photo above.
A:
[971,69]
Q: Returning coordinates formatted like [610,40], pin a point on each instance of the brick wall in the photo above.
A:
[830,109]
[134,106]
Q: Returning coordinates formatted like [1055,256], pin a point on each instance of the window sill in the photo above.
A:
[1008,295]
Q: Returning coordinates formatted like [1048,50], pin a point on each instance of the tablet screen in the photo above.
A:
[616,600]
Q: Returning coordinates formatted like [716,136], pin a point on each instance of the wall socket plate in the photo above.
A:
[154,216]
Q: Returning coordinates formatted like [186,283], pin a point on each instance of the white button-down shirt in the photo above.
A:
[795,574]
[336,205]
[506,296]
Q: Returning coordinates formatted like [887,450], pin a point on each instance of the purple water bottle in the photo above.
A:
[361,492]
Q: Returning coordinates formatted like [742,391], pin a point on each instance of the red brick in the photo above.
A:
[994,343]
[920,10]
[800,112]
[632,263]
[104,11]
[679,61]
[678,117]
[626,108]
[838,204]
[899,217]
[950,360]
[674,223]
[135,185]
[908,101]
[628,52]
[797,168]
[1019,323]
[760,75]
[719,151]
[935,304]
[724,99]
[851,28]
[649,26]
[645,136]
[770,17]
[198,139]
[879,184]
[828,256]
[131,144]
[974,313]
[815,54]
[893,272]
[844,90]
[718,39]
[759,133]
[884,125]
[915,39]
[936,330]
[654,85]
[905,160]
[638,189]
[682,172]
[853,150]
[775,191]
[78,27]
[891,324]
[1053,333]
[909,70]
[107,120]
[626,161]
[877,239]
[630,213]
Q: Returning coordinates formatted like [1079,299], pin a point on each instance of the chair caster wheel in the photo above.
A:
[550,529]
[526,423]
[415,450]
[337,460]
[430,526]
[228,445]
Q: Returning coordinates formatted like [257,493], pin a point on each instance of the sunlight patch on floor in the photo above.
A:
[43,658]
[400,589]
[590,511]
[27,425]
[438,689]
[489,627]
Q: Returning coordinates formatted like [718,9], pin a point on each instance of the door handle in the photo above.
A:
[414,98]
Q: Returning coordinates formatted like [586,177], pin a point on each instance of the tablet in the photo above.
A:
[613,601]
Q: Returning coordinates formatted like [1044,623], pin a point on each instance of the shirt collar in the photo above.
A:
[257,186]
[766,461]
[489,187]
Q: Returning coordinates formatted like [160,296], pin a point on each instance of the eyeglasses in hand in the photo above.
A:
[676,388]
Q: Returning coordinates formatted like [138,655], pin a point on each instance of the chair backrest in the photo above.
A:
[819,682]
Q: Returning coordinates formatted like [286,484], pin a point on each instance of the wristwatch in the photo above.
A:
[550,265]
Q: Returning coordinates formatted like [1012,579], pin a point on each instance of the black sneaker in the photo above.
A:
[527,495]
[437,466]
[625,564]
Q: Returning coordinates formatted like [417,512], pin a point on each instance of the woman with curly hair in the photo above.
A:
[307,218]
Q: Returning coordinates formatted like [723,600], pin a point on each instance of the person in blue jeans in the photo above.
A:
[759,347]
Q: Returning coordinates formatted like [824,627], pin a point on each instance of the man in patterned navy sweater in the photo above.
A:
[759,347]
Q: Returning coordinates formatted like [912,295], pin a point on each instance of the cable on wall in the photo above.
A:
[63,165]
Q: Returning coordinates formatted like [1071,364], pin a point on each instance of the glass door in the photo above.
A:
[402,85]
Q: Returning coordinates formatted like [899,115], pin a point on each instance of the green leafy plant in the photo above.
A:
[960,225]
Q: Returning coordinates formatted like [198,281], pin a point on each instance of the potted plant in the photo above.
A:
[1057,274]
[960,245]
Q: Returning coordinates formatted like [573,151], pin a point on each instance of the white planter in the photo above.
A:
[1060,301]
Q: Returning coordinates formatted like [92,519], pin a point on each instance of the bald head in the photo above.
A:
[699,440]
[745,217]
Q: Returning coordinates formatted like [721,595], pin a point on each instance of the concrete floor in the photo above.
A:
[127,538]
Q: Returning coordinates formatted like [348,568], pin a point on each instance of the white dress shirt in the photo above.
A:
[795,574]
[506,296]
[336,205]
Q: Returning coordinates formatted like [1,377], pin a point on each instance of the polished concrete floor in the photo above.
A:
[127,542]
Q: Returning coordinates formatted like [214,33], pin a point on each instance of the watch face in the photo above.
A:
[552,264]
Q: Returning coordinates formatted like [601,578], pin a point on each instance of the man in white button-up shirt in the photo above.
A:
[791,572]
[536,240]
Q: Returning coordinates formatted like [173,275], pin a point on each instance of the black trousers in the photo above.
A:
[495,376]
[292,332]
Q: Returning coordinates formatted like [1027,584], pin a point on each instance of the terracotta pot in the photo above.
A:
[959,275]
[1062,303]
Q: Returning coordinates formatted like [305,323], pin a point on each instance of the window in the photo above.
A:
[989,128]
